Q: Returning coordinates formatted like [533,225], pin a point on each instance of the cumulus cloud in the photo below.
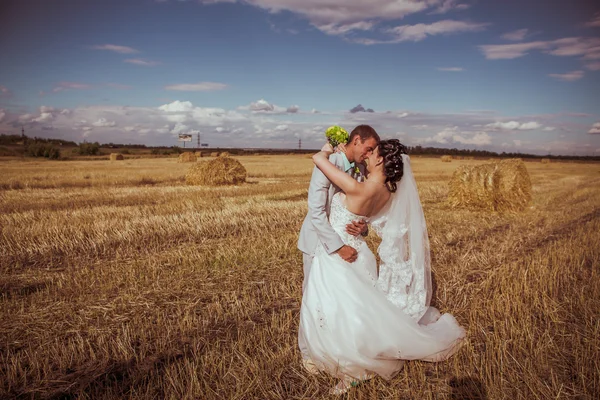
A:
[262,106]
[360,108]
[514,125]
[139,61]
[569,76]
[515,36]
[116,48]
[449,5]
[595,129]
[197,87]
[293,109]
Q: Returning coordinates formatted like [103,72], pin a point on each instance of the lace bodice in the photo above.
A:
[339,217]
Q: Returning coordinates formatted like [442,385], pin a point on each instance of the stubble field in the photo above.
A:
[119,281]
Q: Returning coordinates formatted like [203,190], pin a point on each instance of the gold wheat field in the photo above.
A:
[118,281]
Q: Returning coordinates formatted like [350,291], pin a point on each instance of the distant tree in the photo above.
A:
[89,149]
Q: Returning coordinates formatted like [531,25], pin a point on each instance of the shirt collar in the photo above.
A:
[347,164]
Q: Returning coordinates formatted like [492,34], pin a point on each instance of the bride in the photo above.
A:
[356,322]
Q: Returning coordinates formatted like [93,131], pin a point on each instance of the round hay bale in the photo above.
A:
[220,171]
[545,161]
[446,158]
[214,154]
[198,154]
[188,156]
[224,154]
[116,156]
[500,186]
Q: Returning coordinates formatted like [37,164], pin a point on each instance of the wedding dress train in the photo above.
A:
[352,329]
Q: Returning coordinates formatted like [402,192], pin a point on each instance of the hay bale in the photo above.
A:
[446,158]
[214,154]
[499,186]
[220,171]
[116,156]
[224,154]
[545,161]
[187,156]
[198,154]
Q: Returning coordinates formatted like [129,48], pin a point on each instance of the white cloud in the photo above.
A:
[262,106]
[569,76]
[293,109]
[451,69]
[589,48]
[197,87]
[418,32]
[70,85]
[479,139]
[4,92]
[517,143]
[116,48]
[281,127]
[594,22]
[139,61]
[448,5]
[549,128]
[2,114]
[335,29]
[515,36]
[104,123]
[514,125]
[592,65]
[595,129]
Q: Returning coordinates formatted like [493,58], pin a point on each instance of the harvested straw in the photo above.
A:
[214,154]
[116,156]
[224,154]
[545,161]
[469,158]
[187,156]
[446,158]
[198,154]
[220,171]
[499,186]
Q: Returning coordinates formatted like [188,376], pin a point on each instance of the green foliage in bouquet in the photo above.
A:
[336,135]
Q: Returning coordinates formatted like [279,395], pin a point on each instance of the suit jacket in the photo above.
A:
[316,227]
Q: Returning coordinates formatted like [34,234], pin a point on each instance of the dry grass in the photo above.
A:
[545,161]
[113,288]
[446,158]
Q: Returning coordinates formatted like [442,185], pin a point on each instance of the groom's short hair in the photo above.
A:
[364,132]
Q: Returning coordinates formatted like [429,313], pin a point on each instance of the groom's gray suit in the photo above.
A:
[316,227]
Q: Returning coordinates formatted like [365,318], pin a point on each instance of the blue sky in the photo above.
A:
[497,75]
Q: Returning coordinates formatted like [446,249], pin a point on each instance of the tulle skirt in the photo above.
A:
[352,330]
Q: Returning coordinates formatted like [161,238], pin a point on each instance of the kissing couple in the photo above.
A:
[355,321]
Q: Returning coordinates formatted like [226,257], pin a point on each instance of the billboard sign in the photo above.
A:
[185,137]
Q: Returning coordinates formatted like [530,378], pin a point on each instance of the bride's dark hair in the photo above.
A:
[391,150]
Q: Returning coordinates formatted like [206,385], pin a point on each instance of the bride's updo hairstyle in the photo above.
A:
[391,150]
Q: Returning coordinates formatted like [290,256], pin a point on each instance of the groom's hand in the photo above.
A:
[356,227]
[348,253]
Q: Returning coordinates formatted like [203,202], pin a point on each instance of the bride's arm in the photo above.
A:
[337,177]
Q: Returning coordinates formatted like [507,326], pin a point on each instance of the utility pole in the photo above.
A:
[198,140]
[299,144]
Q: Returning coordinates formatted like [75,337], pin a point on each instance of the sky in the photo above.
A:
[513,76]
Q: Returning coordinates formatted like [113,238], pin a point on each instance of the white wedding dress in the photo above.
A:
[350,325]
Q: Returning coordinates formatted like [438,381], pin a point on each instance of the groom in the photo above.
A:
[316,228]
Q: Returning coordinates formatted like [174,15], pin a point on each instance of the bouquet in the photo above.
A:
[336,135]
